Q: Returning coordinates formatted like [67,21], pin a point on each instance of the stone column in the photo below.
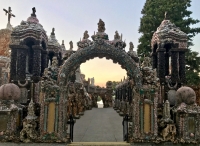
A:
[154,60]
[44,63]
[161,64]
[167,63]
[13,63]
[21,62]
[36,62]
[174,65]
[182,66]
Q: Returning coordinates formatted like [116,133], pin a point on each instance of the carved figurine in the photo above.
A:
[71,45]
[131,46]
[86,35]
[101,26]
[54,62]
[116,36]
[146,62]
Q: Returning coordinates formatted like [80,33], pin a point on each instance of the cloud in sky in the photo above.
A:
[71,18]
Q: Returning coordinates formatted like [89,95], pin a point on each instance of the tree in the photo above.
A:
[192,68]
[153,14]
[114,84]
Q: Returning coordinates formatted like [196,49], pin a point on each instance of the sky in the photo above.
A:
[71,18]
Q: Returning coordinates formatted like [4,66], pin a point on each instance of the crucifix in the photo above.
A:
[9,13]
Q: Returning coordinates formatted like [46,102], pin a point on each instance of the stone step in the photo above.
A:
[99,144]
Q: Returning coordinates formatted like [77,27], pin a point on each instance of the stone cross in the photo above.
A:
[9,13]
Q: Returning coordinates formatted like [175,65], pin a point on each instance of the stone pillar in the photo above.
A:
[154,60]
[182,66]
[13,63]
[44,63]
[161,64]
[130,98]
[174,66]
[21,62]
[36,62]
[167,63]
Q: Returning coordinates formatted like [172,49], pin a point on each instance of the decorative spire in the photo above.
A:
[33,14]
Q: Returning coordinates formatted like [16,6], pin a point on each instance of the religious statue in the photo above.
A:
[116,36]
[86,35]
[71,108]
[71,45]
[132,53]
[54,62]
[131,46]
[29,133]
[146,62]
[53,31]
[101,26]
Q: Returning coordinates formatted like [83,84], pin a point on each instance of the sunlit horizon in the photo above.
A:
[102,70]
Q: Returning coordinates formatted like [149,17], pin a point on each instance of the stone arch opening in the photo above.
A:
[99,50]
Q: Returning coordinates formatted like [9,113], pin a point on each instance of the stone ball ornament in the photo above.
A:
[185,95]
[9,91]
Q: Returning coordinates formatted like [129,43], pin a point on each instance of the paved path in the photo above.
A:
[99,125]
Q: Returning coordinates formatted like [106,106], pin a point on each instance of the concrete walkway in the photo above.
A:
[99,125]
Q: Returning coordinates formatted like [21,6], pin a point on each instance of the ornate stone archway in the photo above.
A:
[62,86]
[100,48]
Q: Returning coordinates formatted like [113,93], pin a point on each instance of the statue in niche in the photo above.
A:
[71,95]
[146,62]
[54,62]
[46,73]
[86,35]
[116,36]
[71,45]
[75,104]
[54,68]
[101,26]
